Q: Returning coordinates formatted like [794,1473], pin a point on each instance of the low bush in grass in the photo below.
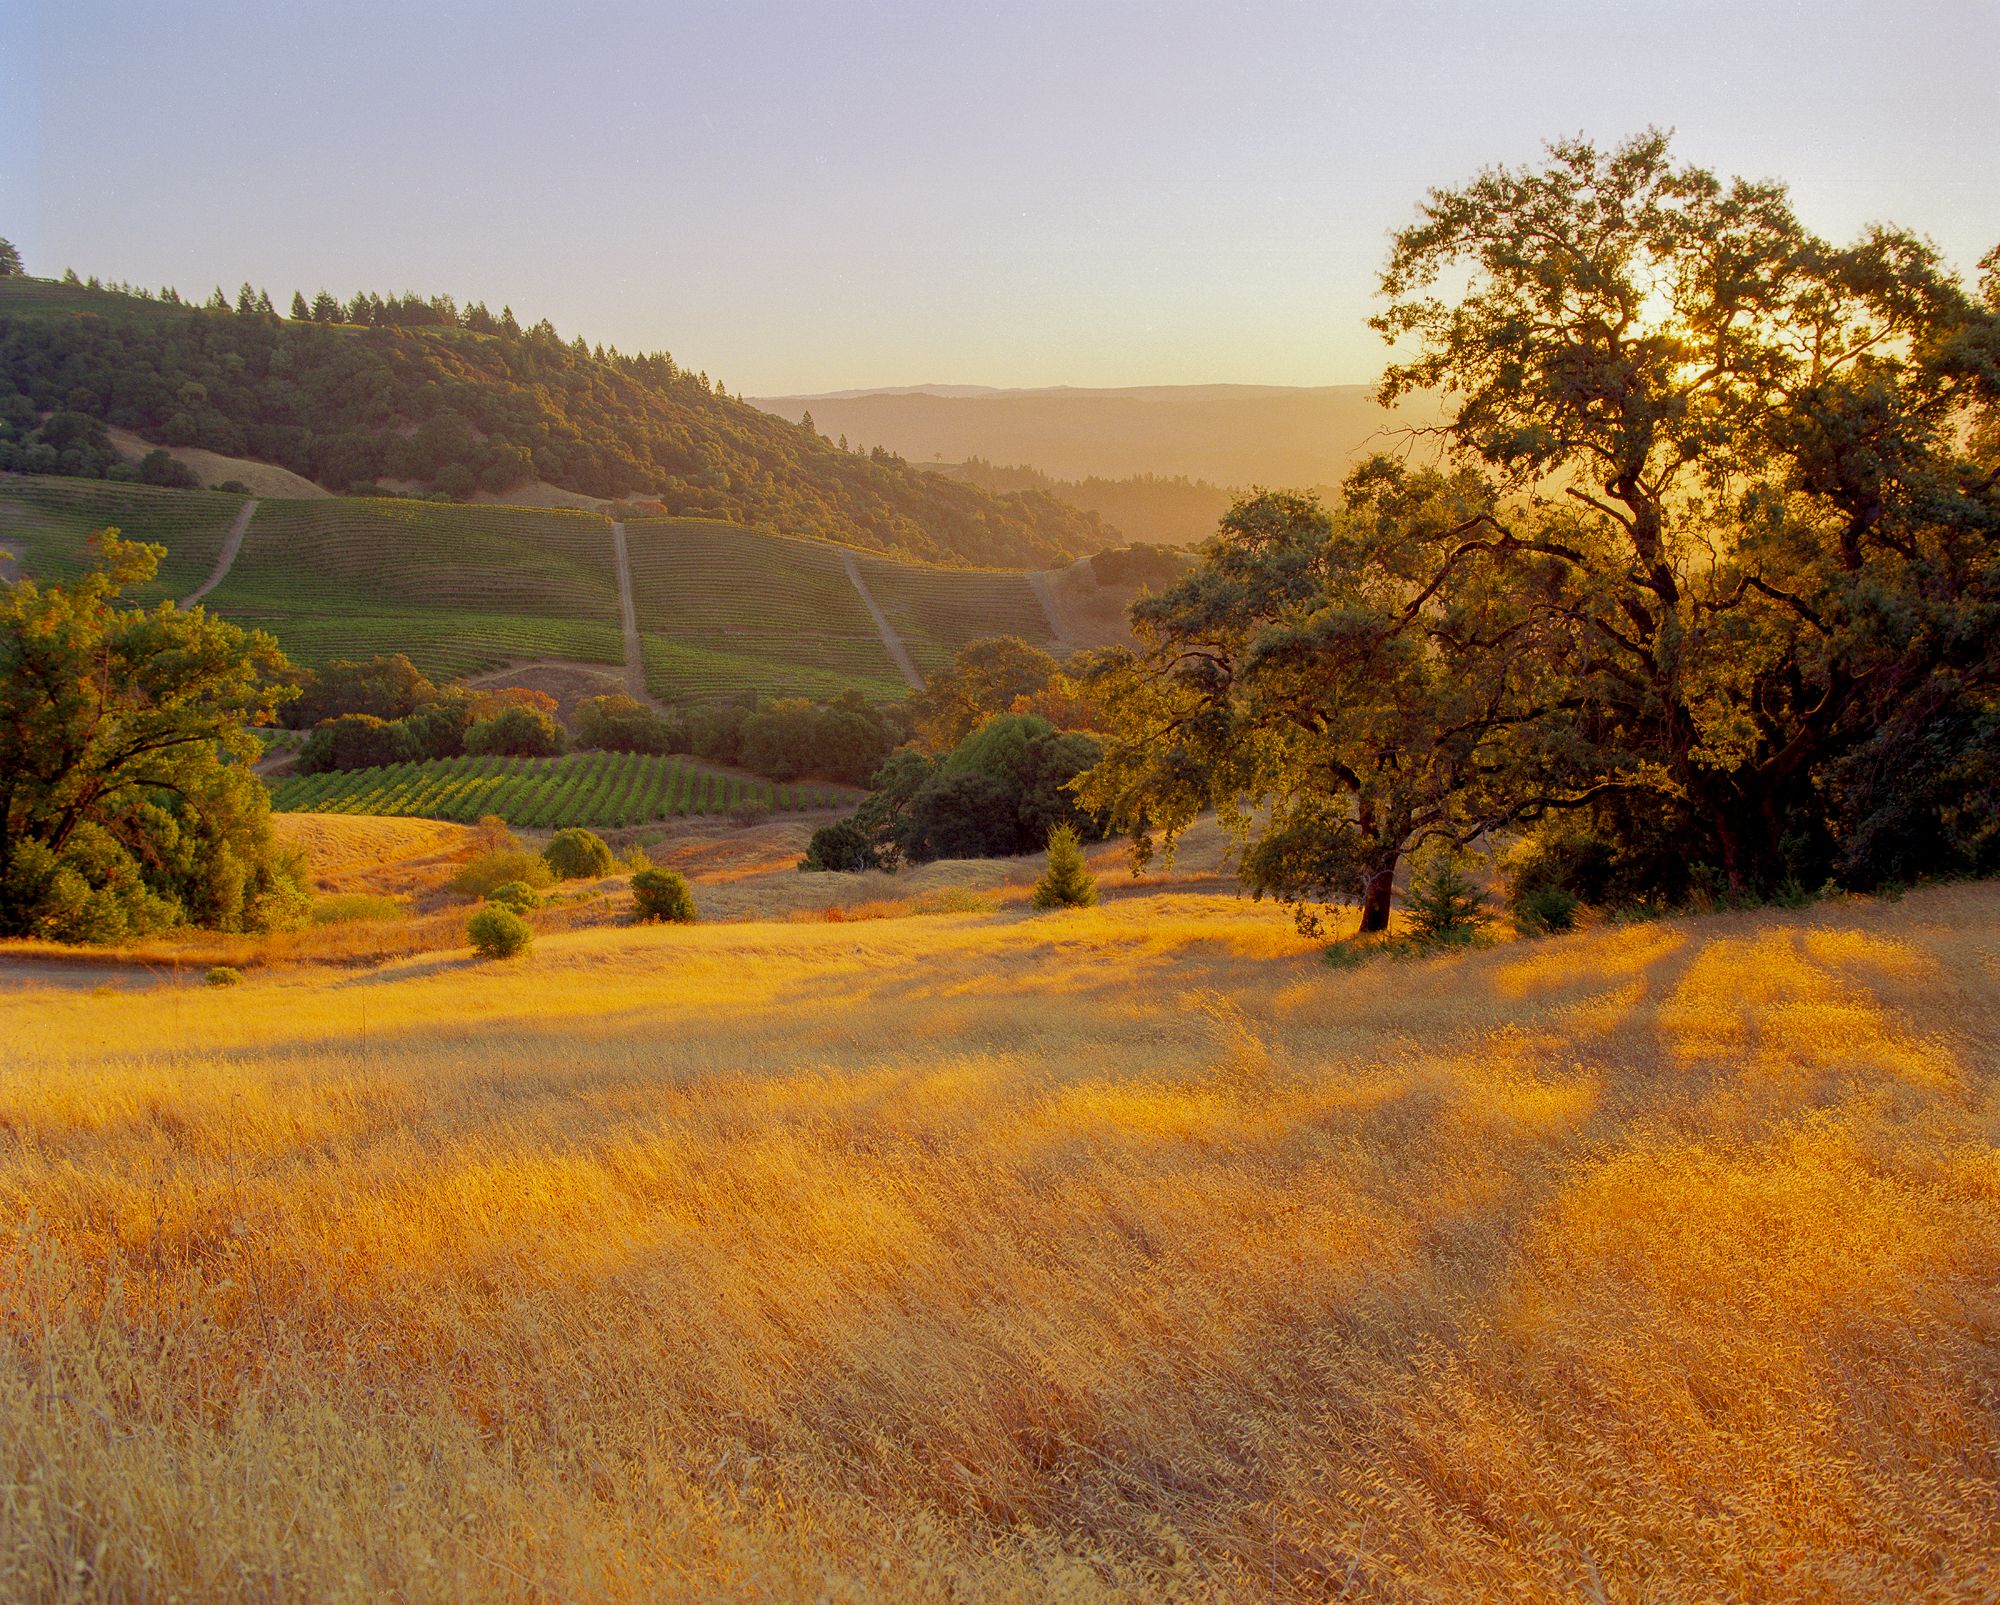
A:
[577,854]
[497,868]
[498,933]
[224,975]
[518,896]
[350,907]
[662,894]
[1546,909]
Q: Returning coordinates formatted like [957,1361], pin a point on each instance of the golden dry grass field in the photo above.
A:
[1130,1253]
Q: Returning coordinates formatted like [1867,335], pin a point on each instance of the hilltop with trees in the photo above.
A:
[461,400]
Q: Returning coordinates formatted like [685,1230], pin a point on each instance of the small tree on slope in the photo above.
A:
[1065,883]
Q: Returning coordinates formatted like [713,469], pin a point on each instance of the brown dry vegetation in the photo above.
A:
[1121,1253]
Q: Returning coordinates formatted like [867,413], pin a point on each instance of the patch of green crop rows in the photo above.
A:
[605,789]
[938,610]
[460,589]
[48,522]
[724,609]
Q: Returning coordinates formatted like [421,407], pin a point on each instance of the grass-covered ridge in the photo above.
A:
[1118,1254]
[586,788]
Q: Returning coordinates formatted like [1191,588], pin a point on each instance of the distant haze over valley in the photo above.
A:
[1231,435]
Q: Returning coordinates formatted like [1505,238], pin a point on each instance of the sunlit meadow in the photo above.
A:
[1130,1253]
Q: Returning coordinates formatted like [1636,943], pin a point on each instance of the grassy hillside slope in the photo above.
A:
[424,392]
[1127,1254]
[462,589]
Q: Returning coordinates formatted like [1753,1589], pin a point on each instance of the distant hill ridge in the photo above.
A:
[404,391]
[1230,435]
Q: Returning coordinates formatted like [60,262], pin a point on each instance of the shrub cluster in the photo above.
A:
[662,894]
[498,933]
[1002,790]
[578,854]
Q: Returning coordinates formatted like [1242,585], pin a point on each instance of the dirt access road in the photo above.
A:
[232,544]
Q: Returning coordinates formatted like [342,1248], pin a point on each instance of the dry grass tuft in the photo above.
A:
[1131,1254]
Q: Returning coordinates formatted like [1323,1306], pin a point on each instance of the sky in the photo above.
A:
[804,197]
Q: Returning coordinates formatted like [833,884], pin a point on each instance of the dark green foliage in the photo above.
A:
[407,388]
[662,894]
[387,687]
[127,804]
[516,733]
[357,741]
[498,933]
[1001,791]
[618,723]
[847,845]
[577,855]
[223,975]
[1543,910]
[843,740]
[516,895]
[1065,883]
[966,815]
[1921,797]
[10,260]
[161,467]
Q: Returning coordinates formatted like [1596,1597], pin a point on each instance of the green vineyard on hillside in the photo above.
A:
[938,610]
[724,609]
[47,522]
[606,789]
[459,589]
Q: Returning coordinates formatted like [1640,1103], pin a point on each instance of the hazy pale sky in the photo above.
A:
[818,196]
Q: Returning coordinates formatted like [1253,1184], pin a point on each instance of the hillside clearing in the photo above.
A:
[1123,1254]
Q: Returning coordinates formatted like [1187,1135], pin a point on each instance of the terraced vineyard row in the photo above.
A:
[49,521]
[938,610]
[460,589]
[593,788]
[725,609]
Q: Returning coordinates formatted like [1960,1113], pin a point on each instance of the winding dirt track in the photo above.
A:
[890,639]
[231,545]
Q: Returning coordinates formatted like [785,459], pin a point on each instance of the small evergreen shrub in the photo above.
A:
[1065,883]
[662,894]
[578,854]
[516,896]
[224,975]
[497,933]
[1446,906]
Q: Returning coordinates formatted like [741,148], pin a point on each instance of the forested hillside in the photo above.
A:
[415,391]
